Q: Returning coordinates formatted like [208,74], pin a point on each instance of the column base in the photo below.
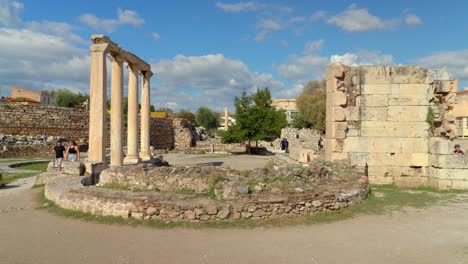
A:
[132,160]
[145,156]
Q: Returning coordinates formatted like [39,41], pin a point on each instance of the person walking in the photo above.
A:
[73,152]
[59,152]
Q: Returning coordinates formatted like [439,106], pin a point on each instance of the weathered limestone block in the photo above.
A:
[446,86]
[450,161]
[420,159]
[339,114]
[381,145]
[439,145]
[460,185]
[415,145]
[414,90]
[357,144]
[339,129]
[340,99]
[410,182]
[378,89]
[359,159]
[352,113]
[409,101]
[394,129]
[374,100]
[448,174]
[381,159]
[395,74]
[380,171]
[410,171]
[380,180]
[373,113]
[336,71]
[407,113]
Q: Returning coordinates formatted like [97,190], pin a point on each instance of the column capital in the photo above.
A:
[99,47]
[147,74]
[132,68]
[116,57]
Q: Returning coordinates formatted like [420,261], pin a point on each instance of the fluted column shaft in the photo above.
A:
[145,153]
[97,106]
[116,131]
[132,124]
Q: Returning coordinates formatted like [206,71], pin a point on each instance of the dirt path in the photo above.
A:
[432,235]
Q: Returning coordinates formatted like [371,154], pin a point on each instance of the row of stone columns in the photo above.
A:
[98,98]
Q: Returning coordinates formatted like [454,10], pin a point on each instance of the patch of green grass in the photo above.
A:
[382,199]
[37,186]
[42,166]
[5,160]
[11,177]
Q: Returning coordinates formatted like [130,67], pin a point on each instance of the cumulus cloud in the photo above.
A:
[240,6]
[356,19]
[412,20]
[124,17]
[60,29]
[212,79]
[456,61]
[41,61]
[363,57]
[10,12]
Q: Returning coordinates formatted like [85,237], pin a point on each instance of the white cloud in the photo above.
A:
[313,46]
[456,61]
[60,29]
[211,80]
[240,6]
[269,24]
[363,57]
[10,12]
[38,61]
[155,36]
[354,19]
[412,20]
[124,17]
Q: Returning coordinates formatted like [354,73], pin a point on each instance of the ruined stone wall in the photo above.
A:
[303,143]
[391,121]
[26,128]
[184,134]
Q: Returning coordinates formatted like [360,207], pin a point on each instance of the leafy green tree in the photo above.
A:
[186,114]
[311,104]
[207,118]
[256,118]
[152,109]
[165,109]
[67,98]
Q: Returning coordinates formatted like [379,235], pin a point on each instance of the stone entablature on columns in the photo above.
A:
[98,85]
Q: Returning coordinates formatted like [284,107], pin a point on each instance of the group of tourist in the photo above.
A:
[70,153]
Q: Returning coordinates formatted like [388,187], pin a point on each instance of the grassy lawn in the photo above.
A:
[23,159]
[11,177]
[382,200]
[42,166]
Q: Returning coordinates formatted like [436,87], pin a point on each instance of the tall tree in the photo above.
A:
[311,104]
[207,118]
[67,98]
[256,118]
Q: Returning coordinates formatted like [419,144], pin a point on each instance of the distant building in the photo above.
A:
[460,112]
[28,96]
[159,114]
[288,105]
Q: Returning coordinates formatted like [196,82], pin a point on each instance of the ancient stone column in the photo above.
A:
[225,118]
[116,128]
[145,153]
[132,125]
[97,108]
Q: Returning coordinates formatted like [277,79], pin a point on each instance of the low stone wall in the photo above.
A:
[70,194]
[40,150]
[208,146]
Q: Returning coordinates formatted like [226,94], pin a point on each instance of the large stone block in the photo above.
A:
[378,89]
[460,185]
[339,129]
[419,159]
[380,159]
[339,99]
[381,145]
[407,113]
[440,146]
[339,113]
[336,71]
[359,159]
[408,101]
[352,113]
[380,171]
[380,180]
[410,171]
[415,145]
[413,90]
[373,113]
[403,159]
[450,161]
[357,144]
[395,74]
[374,100]
[394,129]
[446,86]
[410,182]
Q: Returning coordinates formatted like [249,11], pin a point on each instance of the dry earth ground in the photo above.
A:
[30,234]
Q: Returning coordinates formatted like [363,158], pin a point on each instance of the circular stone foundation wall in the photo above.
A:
[70,194]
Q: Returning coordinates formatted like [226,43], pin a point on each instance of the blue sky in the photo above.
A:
[206,52]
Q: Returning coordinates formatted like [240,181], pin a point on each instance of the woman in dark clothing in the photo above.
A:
[73,152]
